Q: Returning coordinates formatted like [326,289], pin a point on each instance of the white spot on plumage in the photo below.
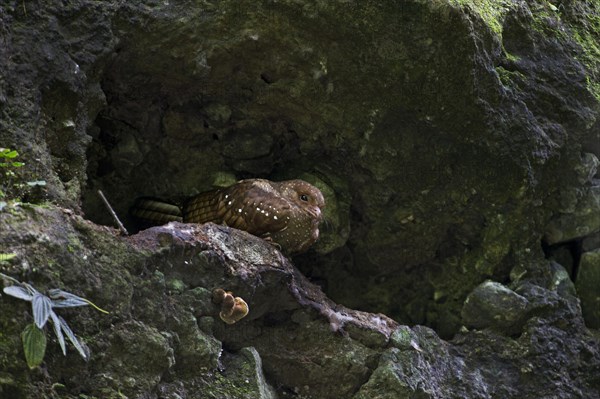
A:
[274,217]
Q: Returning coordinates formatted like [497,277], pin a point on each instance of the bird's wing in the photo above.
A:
[254,207]
[202,208]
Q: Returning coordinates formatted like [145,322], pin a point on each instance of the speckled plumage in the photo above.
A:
[287,213]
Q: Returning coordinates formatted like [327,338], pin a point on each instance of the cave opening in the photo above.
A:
[171,132]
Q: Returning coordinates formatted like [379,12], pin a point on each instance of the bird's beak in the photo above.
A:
[316,213]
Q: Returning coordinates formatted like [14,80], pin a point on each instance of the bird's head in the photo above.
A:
[306,196]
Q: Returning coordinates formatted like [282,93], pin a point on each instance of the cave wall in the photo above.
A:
[440,133]
[455,141]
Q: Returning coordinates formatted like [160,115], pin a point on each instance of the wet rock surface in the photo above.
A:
[588,278]
[579,219]
[492,305]
[164,336]
[455,142]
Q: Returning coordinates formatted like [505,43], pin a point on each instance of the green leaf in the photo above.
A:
[83,350]
[34,345]
[36,183]
[17,164]
[10,154]
[42,306]
[18,292]
[63,299]
[5,257]
[57,330]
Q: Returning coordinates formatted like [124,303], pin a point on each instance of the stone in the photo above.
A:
[195,350]
[591,242]
[493,305]
[588,167]
[135,343]
[456,130]
[561,280]
[245,369]
[393,380]
[587,284]
[175,286]
[580,221]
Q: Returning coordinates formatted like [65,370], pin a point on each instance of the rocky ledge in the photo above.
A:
[164,338]
[456,143]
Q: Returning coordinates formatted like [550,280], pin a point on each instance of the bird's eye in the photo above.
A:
[304,197]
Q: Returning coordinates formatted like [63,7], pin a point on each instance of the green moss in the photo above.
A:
[594,87]
[588,37]
[491,12]
[510,57]
[401,338]
[508,78]
[546,20]
[583,28]
[218,385]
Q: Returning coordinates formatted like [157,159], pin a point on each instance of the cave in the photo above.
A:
[173,136]
[413,200]
[456,149]
[174,125]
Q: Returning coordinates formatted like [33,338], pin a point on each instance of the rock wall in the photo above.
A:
[456,143]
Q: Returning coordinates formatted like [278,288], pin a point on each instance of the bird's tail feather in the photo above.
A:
[203,208]
[155,211]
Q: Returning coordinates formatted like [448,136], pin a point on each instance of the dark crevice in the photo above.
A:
[568,254]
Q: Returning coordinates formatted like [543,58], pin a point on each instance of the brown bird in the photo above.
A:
[287,213]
